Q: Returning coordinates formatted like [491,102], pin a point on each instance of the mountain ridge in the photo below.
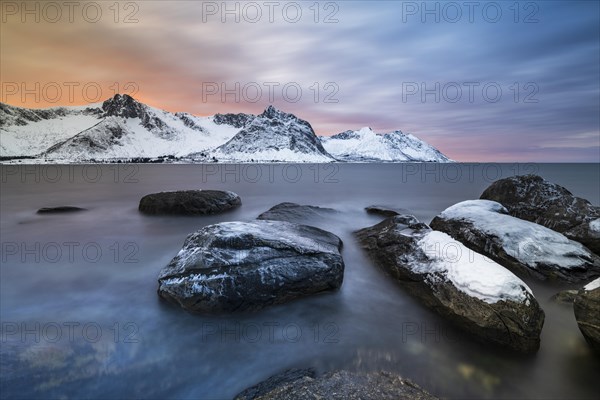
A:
[122,128]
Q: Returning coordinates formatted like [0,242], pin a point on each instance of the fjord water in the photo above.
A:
[81,317]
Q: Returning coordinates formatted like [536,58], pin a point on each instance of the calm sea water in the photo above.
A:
[81,317]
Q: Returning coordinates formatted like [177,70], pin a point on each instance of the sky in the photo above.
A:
[481,81]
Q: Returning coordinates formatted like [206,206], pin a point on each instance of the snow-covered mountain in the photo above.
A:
[123,128]
[29,132]
[365,145]
[274,135]
[130,129]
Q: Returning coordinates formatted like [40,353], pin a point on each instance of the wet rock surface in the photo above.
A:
[587,313]
[245,266]
[189,202]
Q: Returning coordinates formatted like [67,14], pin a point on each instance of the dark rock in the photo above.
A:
[564,297]
[60,210]
[386,211]
[238,266]
[292,212]
[587,313]
[339,385]
[189,202]
[123,105]
[586,233]
[522,246]
[477,295]
[240,120]
[534,199]
[188,120]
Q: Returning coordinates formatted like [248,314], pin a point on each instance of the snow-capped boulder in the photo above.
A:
[304,384]
[239,266]
[534,199]
[189,202]
[274,136]
[522,246]
[475,293]
[300,214]
[365,145]
[587,312]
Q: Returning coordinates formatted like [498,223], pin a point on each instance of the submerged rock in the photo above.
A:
[386,211]
[522,246]
[292,212]
[532,198]
[239,266]
[587,313]
[339,385]
[60,210]
[189,202]
[471,291]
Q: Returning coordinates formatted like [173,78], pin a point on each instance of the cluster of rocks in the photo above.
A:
[466,266]
[481,297]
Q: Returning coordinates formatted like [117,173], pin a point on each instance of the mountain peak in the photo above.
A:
[366,145]
[123,105]
[272,112]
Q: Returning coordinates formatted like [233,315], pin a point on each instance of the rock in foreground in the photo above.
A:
[340,385]
[471,291]
[587,313]
[239,266]
[532,198]
[189,202]
[519,245]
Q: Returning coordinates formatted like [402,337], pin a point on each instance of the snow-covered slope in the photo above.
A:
[25,132]
[274,136]
[366,145]
[131,129]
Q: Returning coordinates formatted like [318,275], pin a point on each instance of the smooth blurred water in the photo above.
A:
[81,317]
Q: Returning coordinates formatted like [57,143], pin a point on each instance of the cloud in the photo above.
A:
[368,58]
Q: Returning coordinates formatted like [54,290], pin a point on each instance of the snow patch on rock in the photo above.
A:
[527,242]
[469,272]
[595,284]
